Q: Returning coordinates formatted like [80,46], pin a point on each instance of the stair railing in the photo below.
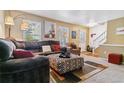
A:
[99,40]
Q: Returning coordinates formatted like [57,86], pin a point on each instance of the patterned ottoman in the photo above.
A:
[63,65]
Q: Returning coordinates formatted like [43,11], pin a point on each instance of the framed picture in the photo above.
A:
[50,30]
[120,31]
[73,34]
[33,32]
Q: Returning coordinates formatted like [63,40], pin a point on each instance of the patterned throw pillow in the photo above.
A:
[46,48]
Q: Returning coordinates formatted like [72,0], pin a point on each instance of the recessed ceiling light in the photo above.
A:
[92,23]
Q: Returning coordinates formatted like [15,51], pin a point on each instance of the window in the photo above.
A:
[63,35]
[33,33]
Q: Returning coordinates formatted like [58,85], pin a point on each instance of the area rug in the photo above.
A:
[89,69]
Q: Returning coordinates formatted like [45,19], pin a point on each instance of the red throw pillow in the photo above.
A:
[56,48]
[22,53]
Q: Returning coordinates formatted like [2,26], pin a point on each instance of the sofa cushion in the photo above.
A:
[19,44]
[56,48]
[46,48]
[32,45]
[20,53]
[53,42]
[6,49]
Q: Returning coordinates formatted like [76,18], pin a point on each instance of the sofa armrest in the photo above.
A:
[26,70]
[23,64]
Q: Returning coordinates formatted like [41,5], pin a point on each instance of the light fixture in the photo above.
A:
[9,21]
[24,26]
[91,23]
[1,32]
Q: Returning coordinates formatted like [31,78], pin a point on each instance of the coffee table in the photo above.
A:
[63,65]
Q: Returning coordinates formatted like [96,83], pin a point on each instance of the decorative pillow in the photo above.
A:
[56,48]
[46,48]
[6,49]
[20,53]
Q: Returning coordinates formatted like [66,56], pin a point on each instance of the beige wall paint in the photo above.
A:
[103,51]
[112,37]
[78,28]
[15,30]
[16,33]
[2,28]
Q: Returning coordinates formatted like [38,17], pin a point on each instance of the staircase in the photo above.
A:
[101,39]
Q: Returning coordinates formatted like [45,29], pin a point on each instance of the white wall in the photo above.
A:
[2,29]
[98,30]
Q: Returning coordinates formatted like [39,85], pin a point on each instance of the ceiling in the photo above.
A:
[82,17]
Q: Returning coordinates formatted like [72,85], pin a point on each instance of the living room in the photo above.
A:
[54,46]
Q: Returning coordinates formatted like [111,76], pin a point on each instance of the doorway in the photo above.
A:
[82,40]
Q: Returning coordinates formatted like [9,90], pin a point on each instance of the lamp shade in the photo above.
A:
[1,32]
[24,25]
[9,20]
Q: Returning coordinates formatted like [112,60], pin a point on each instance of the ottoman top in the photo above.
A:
[56,56]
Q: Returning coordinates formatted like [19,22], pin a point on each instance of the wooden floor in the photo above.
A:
[90,54]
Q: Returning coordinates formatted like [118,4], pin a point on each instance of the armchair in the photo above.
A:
[74,49]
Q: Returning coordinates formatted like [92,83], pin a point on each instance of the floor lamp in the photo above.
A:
[9,21]
[1,32]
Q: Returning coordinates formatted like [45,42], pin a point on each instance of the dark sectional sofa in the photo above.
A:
[24,70]
[35,46]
